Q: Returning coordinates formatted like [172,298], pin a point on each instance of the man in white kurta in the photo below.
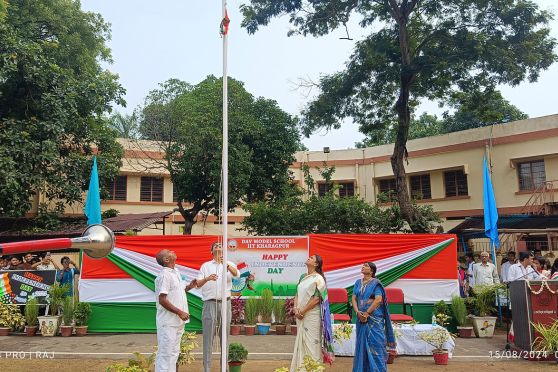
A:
[485,273]
[172,311]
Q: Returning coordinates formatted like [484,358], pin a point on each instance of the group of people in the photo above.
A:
[374,333]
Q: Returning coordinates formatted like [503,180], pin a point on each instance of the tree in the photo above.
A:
[415,50]
[188,125]
[125,125]
[53,93]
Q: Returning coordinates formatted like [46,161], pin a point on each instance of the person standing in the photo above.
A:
[485,273]
[470,267]
[172,311]
[373,330]
[211,291]
[67,274]
[46,263]
[506,266]
[523,270]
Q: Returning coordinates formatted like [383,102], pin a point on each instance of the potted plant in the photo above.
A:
[280,316]
[10,319]
[289,310]
[31,314]
[437,338]
[266,309]
[459,310]
[237,356]
[485,298]
[82,312]
[547,341]
[68,317]
[237,308]
[250,315]
[48,324]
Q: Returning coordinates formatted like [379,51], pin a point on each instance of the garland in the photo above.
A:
[544,285]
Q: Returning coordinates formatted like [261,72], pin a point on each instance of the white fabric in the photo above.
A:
[169,282]
[407,338]
[44,267]
[504,271]
[470,276]
[485,274]
[114,290]
[427,291]
[518,272]
[211,290]
[168,348]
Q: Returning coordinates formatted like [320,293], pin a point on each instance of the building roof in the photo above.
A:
[508,224]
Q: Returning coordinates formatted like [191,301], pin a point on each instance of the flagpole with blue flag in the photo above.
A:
[93,203]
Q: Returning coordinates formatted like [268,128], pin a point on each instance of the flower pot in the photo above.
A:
[263,328]
[391,356]
[484,325]
[66,331]
[4,331]
[31,330]
[81,330]
[440,356]
[465,332]
[280,329]
[235,366]
[293,329]
[235,329]
[250,330]
[49,324]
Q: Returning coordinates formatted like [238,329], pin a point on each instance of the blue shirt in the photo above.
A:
[67,278]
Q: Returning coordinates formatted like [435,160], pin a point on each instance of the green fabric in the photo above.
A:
[142,276]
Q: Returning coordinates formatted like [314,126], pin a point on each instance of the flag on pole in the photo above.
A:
[224,28]
[93,202]
[490,210]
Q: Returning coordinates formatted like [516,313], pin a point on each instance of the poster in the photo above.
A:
[268,262]
[18,285]
[544,303]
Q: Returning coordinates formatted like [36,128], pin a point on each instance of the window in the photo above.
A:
[531,174]
[323,188]
[456,183]
[420,187]
[151,189]
[347,189]
[387,187]
[118,188]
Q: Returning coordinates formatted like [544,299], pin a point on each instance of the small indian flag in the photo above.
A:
[243,269]
[5,288]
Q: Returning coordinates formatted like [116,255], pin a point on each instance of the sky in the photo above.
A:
[155,41]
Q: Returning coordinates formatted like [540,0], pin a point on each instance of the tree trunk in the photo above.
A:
[189,216]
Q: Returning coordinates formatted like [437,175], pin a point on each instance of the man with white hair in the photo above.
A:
[172,311]
[485,272]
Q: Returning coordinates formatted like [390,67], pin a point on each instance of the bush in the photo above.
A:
[485,296]
[237,307]
[459,310]
[237,352]
[32,312]
[68,314]
[10,317]
[251,311]
[82,313]
[279,311]
[266,305]
[56,294]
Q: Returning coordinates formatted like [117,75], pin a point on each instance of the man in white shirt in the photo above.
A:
[172,311]
[46,263]
[523,269]
[470,266]
[211,286]
[485,273]
[506,267]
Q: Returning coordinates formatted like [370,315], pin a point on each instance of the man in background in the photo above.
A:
[506,267]
[485,273]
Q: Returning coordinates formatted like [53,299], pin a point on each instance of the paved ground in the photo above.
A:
[96,352]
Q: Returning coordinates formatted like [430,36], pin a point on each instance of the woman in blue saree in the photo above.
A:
[374,330]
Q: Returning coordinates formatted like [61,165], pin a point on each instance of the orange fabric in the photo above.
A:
[441,266]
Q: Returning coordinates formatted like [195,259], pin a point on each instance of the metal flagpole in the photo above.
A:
[225,207]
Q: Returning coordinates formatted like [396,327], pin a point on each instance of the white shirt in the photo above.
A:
[471,278]
[504,270]
[212,289]
[485,274]
[48,266]
[518,272]
[169,282]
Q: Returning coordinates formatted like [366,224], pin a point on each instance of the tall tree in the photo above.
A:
[416,49]
[186,122]
[53,93]
[125,125]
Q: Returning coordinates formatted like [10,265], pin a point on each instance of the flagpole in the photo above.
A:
[225,207]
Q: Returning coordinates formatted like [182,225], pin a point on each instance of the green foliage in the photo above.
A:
[548,337]
[251,310]
[265,305]
[140,363]
[11,317]
[53,93]
[68,310]
[279,311]
[485,298]
[308,365]
[32,311]
[237,352]
[441,311]
[187,123]
[187,345]
[82,312]
[125,126]
[459,310]
[56,294]
[109,213]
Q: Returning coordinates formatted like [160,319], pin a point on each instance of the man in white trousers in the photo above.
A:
[172,311]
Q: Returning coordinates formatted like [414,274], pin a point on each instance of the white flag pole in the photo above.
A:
[225,207]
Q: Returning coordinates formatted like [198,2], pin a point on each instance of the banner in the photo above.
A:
[544,303]
[268,262]
[18,285]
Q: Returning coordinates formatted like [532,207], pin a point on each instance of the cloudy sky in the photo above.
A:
[154,41]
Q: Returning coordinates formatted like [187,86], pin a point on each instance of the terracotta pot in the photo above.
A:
[391,356]
[293,329]
[81,330]
[280,329]
[440,357]
[4,331]
[235,329]
[465,332]
[66,331]
[31,330]
[250,330]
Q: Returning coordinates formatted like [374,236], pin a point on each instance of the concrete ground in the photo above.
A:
[96,352]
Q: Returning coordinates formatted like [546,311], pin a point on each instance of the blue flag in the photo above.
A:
[490,210]
[93,202]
